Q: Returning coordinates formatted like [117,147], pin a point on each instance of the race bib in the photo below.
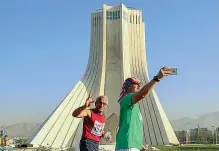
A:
[97,128]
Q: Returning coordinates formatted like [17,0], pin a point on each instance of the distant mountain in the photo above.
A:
[207,121]
[204,121]
[21,129]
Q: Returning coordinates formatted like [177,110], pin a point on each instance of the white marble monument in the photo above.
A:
[117,51]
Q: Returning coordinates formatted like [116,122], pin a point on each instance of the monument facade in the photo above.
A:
[117,51]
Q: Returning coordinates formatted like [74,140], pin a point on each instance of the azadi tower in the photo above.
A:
[117,51]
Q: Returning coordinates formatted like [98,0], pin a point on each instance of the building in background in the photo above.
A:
[196,136]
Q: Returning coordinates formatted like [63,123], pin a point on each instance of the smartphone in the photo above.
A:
[173,71]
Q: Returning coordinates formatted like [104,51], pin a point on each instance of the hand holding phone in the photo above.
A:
[165,71]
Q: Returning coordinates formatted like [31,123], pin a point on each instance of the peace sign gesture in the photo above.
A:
[89,101]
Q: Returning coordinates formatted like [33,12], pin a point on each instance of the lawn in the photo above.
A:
[190,147]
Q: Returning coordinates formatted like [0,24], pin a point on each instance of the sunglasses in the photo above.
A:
[102,103]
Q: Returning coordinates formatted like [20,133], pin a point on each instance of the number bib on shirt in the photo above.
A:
[97,128]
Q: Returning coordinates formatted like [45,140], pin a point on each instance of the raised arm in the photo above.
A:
[165,71]
[83,111]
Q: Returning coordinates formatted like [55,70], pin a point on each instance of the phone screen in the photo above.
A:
[173,71]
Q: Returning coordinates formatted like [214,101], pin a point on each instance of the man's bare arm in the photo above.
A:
[81,112]
[165,71]
[143,92]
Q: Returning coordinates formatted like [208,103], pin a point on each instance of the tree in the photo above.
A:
[20,140]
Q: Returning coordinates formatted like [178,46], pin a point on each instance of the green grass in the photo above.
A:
[189,148]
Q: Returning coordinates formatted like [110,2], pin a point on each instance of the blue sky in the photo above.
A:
[44,48]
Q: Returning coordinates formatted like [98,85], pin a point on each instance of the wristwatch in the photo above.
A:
[156,79]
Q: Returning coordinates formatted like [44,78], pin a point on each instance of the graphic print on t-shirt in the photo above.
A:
[97,128]
[140,116]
